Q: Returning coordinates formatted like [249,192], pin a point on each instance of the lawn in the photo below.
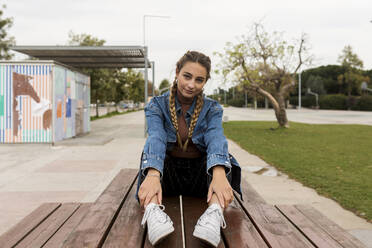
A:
[335,160]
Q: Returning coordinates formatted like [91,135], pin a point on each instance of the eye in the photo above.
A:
[187,76]
[200,80]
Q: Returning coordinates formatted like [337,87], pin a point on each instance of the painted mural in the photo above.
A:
[37,99]
[25,108]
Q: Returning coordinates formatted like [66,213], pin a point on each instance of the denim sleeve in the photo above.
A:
[155,146]
[216,142]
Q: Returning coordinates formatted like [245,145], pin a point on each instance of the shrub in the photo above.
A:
[306,101]
[236,102]
[363,103]
[339,102]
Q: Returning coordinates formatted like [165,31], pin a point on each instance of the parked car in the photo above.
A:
[124,105]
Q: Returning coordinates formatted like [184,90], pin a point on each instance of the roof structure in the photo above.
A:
[89,56]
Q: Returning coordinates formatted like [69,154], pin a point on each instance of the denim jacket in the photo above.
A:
[207,136]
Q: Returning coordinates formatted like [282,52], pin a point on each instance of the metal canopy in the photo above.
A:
[89,56]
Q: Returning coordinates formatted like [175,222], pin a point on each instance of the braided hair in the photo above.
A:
[196,57]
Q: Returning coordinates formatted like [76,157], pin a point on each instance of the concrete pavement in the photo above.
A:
[79,169]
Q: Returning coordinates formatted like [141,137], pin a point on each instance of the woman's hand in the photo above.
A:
[150,187]
[221,187]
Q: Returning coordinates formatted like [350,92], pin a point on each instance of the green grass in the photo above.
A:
[93,118]
[335,160]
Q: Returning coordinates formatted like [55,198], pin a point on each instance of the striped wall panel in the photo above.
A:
[25,103]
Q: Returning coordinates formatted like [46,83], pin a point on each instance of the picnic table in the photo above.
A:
[113,220]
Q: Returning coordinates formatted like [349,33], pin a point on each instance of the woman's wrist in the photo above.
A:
[153,172]
[219,170]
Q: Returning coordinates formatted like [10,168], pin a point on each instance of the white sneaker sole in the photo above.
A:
[205,235]
[158,236]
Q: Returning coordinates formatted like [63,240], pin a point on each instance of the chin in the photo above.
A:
[188,95]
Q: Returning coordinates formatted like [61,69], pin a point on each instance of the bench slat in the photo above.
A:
[276,229]
[68,226]
[172,208]
[40,235]
[95,225]
[240,231]
[193,208]
[27,225]
[127,230]
[312,231]
[334,230]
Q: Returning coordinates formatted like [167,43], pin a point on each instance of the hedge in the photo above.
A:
[338,102]
[363,103]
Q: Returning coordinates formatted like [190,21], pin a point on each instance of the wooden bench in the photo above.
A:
[113,220]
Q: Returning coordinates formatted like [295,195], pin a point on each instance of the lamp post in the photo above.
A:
[153,77]
[146,50]
[299,90]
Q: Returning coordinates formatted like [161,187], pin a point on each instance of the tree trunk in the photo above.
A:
[349,96]
[97,114]
[278,105]
[281,114]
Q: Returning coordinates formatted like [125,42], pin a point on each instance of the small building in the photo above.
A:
[48,100]
[42,101]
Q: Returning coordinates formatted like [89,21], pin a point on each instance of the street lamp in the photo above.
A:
[153,77]
[299,90]
[146,51]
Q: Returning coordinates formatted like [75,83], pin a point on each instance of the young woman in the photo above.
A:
[186,153]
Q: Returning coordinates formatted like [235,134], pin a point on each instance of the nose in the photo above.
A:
[191,84]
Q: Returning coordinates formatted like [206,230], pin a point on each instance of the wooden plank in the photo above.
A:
[127,230]
[27,224]
[68,226]
[193,208]
[249,193]
[172,208]
[312,231]
[92,230]
[240,231]
[274,227]
[41,234]
[334,230]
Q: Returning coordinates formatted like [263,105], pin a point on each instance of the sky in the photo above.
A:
[204,25]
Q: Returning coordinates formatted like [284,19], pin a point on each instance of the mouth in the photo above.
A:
[189,92]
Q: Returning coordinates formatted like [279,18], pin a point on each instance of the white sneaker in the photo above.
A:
[208,226]
[159,225]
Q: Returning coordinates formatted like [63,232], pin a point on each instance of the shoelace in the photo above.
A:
[158,213]
[204,217]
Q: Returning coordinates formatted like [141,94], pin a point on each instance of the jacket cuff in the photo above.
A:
[152,161]
[218,159]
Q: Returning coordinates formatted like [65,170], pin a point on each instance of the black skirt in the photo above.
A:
[185,176]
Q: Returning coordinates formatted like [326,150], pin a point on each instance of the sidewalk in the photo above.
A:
[79,169]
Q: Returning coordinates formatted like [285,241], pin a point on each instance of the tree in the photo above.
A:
[328,74]
[164,85]
[136,85]
[352,77]
[100,79]
[265,64]
[316,84]
[6,41]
